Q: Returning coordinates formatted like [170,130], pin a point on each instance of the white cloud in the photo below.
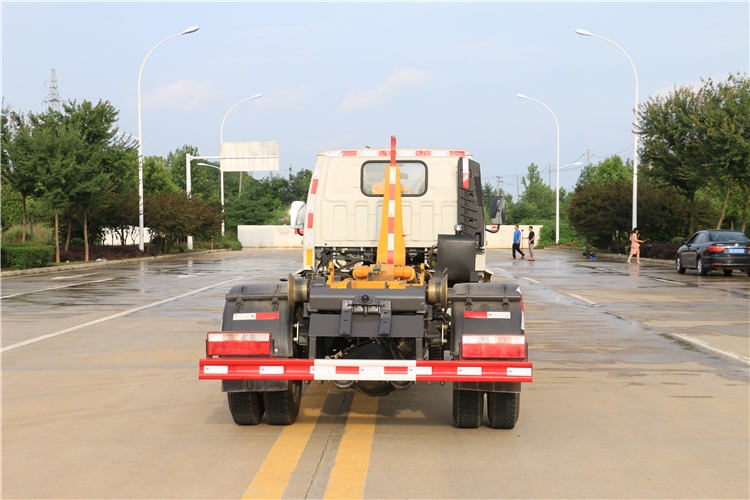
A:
[181,96]
[365,98]
[284,99]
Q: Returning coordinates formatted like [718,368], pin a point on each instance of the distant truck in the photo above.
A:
[393,291]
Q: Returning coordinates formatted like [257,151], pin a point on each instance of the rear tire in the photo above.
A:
[282,407]
[702,270]
[680,269]
[468,408]
[503,409]
[246,407]
[727,272]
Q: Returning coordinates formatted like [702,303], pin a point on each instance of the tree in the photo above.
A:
[672,143]
[18,167]
[726,126]
[172,216]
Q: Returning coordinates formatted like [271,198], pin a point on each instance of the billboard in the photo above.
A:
[249,156]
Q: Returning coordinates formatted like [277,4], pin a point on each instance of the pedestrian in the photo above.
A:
[517,237]
[635,248]
[531,242]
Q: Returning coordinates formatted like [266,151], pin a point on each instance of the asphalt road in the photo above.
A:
[640,391]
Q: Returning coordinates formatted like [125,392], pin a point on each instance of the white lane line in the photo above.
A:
[529,279]
[113,316]
[54,288]
[583,299]
[701,343]
[670,281]
[73,276]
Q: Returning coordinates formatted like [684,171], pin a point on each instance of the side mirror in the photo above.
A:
[297,215]
[497,210]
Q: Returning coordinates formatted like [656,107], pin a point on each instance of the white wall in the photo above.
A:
[284,237]
[268,237]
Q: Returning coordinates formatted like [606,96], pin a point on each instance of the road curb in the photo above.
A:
[88,265]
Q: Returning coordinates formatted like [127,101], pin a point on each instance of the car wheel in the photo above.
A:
[702,271]
[680,269]
[727,272]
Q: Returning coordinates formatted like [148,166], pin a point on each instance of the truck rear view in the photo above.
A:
[393,291]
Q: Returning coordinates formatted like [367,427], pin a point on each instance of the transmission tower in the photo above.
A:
[53,99]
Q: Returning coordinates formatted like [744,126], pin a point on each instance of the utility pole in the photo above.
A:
[290,171]
[518,189]
[497,186]
[53,98]
[588,157]
[549,169]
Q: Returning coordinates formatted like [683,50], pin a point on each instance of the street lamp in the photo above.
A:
[140,137]
[221,133]
[221,180]
[635,129]
[557,190]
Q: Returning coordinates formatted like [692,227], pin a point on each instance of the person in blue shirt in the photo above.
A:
[517,236]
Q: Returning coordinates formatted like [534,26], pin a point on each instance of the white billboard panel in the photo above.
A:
[249,156]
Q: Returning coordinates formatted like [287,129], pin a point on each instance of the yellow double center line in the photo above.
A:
[274,475]
[347,478]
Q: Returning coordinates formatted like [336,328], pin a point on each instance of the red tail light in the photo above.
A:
[493,346]
[715,248]
[238,344]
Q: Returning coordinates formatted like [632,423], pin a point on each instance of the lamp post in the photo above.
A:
[140,137]
[221,180]
[557,189]
[635,130]
[221,133]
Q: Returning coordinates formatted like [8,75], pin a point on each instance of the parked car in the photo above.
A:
[714,249]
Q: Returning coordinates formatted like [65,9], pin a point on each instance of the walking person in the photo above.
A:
[517,236]
[635,248]
[532,240]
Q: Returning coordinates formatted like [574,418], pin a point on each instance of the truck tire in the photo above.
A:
[468,408]
[282,407]
[246,407]
[503,409]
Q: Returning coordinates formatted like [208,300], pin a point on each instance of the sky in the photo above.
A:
[347,75]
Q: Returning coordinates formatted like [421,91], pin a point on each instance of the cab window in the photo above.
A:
[413,178]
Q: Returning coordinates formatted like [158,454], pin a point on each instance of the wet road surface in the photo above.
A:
[640,391]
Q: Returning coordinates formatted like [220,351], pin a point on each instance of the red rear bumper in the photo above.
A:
[359,369]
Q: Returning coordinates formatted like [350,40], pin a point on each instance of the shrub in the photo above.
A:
[666,251]
[105,252]
[25,255]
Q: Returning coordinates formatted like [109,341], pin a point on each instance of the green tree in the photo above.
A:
[725,124]
[172,216]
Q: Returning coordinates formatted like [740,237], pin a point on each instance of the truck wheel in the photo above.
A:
[503,409]
[468,408]
[282,407]
[246,407]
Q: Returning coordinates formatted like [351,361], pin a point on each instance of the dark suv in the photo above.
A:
[714,249]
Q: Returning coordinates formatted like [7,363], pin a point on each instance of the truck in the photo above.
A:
[393,290]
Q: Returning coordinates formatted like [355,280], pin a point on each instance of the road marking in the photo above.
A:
[669,281]
[113,316]
[274,474]
[54,288]
[73,276]
[529,279]
[706,345]
[347,479]
[581,298]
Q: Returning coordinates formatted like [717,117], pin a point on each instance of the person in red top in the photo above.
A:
[635,248]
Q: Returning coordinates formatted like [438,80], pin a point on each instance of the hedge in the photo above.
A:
[25,255]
